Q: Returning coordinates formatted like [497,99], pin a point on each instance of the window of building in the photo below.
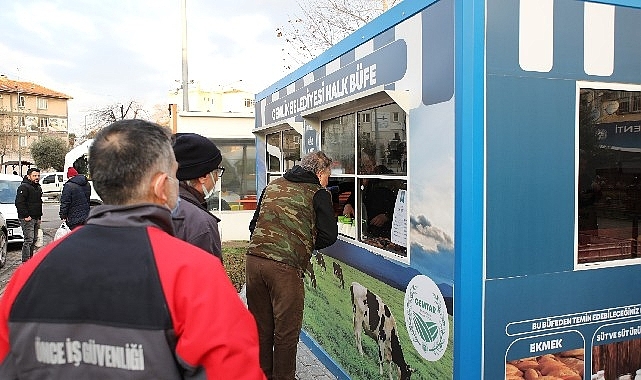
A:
[23,141]
[283,150]
[42,103]
[21,101]
[369,176]
[249,103]
[43,124]
[338,139]
[608,175]
[21,121]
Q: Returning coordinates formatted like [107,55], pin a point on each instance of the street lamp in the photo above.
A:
[185,76]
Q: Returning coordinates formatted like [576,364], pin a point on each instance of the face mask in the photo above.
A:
[209,193]
[174,210]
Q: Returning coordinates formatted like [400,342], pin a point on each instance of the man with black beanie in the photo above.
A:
[198,171]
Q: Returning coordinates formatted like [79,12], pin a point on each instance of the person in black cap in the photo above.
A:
[198,171]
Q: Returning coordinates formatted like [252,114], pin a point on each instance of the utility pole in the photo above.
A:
[19,131]
[185,80]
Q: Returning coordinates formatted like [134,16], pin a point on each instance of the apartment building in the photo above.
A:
[28,112]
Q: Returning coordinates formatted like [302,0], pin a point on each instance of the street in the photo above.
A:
[50,223]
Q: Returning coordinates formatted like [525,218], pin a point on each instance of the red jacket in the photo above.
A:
[121,298]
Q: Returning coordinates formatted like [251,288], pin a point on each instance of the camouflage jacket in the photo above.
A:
[294,216]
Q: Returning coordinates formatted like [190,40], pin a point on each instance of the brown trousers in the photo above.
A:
[276,298]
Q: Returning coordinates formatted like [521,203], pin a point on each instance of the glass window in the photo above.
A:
[365,190]
[608,176]
[49,179]
[291,149]
[43,124]
[42,103]
[382,144]
[8,190]
[337,137]
[238,183]
[273,152]
[283,147]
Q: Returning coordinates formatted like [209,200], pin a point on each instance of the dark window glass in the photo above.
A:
[609,176]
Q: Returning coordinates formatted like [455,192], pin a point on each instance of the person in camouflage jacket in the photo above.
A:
[294,216]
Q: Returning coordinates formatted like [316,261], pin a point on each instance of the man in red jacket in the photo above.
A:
[120,297]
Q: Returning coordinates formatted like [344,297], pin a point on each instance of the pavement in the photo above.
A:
[308,366]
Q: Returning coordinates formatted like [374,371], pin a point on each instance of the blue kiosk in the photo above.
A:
[487,186]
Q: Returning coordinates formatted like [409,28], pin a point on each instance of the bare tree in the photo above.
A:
[320,24]
[160,115]
[101,117]
[9,133]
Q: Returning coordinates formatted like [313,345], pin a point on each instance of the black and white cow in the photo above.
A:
[310,273]
[320,260]
[374,318]
[338,272]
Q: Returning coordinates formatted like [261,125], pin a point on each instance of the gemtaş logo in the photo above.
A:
[426,318]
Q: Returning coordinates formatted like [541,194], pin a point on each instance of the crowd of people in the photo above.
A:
[138,290]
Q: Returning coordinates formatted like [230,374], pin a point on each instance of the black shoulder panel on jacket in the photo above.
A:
[110,280]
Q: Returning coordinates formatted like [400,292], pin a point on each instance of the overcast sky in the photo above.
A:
[107,52]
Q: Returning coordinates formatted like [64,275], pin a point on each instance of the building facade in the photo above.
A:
[28,112]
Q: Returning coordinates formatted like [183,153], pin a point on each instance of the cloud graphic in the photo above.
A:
[420,220]
[430,238]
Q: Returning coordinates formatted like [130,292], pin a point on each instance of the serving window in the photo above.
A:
[283,150]
[369,176]
[608,174]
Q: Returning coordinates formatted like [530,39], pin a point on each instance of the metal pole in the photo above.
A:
[185,79]
[19,135]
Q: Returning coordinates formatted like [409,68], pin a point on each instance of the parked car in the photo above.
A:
[51,184]
[8,188]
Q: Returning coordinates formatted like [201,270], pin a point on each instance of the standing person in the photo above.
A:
[294,216]
[198,160]
[29,205]
[74,200]
[119,297]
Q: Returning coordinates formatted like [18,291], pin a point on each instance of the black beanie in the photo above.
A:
[196,156]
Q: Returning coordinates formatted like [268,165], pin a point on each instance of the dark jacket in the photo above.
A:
[377,200]
[74,200]
[293,217]
[29,199]
[194,224]
[121,298]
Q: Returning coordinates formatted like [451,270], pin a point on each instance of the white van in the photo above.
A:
[52,183]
